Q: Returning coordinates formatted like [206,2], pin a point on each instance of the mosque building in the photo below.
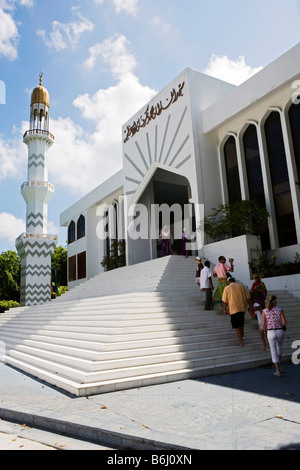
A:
[200,142]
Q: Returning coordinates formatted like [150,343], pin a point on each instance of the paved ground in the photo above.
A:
[241,410]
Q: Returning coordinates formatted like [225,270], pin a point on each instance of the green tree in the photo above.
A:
[233,220]
[10,276]
[59,266]
[116,257]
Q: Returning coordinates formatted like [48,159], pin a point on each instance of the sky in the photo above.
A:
[102,61]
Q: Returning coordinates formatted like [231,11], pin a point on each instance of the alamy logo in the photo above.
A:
[143,222]
[2,351]
[296,94]
[2,92]
[296,354]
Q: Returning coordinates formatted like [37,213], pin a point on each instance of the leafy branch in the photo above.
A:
[232,220]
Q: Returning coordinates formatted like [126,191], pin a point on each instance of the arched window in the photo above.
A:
[294,117]
[71,232]
[232,170]
[280,181]
[252,156]
[81,227]
[254,176]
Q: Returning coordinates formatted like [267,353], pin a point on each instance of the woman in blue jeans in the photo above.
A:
[274,323]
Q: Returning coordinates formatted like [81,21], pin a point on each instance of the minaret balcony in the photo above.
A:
[44,184]
[40,191]
[32,236]
[38,133]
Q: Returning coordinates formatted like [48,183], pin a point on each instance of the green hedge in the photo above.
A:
[266,265]
[7,304]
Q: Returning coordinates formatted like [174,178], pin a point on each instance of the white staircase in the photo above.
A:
[131,327]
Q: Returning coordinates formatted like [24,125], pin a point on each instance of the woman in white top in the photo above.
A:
[166,240]
[274,323]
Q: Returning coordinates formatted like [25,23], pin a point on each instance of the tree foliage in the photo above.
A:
[8,304]
[10,276]
[232,220]
[59,265]
[266,265]
[10,267]
[116,257]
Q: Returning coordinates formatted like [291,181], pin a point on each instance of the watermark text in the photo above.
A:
[2,92]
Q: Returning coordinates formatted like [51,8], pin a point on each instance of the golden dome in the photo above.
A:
[40,94]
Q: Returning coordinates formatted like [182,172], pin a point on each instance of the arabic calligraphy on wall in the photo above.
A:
[153,113]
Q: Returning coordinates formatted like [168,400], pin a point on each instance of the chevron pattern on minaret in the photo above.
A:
[35,247]
[36,160]
[34,220]
[36,294]
[36,270]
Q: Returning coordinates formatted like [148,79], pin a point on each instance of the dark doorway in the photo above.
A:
[170,194]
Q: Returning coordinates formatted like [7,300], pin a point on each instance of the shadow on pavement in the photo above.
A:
[262,381]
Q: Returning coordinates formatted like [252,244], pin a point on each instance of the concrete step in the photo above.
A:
[106,386]
[95,362]
[130,327]
[81,373]
[95,355]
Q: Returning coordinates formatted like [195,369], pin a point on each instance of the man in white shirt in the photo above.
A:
[206,285]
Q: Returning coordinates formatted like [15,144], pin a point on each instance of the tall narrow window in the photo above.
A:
[71,232]
[254,175]
[81,265]
[232,170]
[72,268]
[81,227]
[280,181]
[294,116]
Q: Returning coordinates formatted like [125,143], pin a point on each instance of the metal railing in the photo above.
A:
[41,236]
[45,184]
[39,132]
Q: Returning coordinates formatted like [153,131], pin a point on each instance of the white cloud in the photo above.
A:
[52,228]
[79,160]
[113,52]
[65,35]
[157,23]
[128,6]
[11,4]
[11,227]
[8,36]
[232,71]
[13,155]
[26,3]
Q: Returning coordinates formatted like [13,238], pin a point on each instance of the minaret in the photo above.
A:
[35,247]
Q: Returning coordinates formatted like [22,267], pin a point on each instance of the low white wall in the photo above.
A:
[290,283]
[288,253]
[242,249]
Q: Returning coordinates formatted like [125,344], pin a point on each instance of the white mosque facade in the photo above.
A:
[199,143]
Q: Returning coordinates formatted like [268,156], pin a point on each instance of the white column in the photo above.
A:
[242,169]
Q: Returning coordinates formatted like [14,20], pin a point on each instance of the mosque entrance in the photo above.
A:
[166,198]
[173,195]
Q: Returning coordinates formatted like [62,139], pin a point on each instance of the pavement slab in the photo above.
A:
[246,410]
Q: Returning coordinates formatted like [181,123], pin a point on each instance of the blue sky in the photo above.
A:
[102,61]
